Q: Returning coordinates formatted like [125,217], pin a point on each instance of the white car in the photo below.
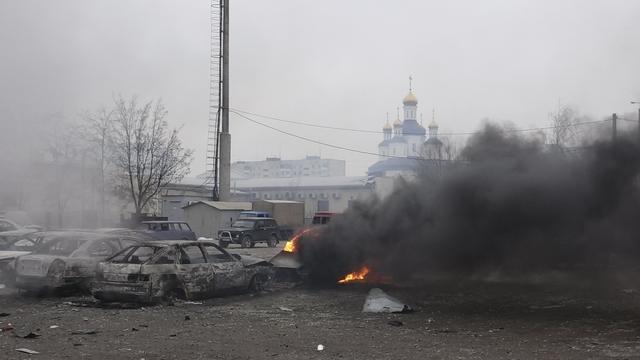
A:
[68,259]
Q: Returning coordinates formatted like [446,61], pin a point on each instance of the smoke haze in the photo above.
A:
[514,205]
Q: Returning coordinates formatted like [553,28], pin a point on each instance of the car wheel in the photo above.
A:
[55,275]
[223,244]
[246,242]
[258,283]
[273,241]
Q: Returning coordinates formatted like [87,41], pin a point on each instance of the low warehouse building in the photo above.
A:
[207,217]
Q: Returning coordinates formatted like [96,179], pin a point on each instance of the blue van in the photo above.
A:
[254,214]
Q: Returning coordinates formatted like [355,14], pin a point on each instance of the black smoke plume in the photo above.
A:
[513,205]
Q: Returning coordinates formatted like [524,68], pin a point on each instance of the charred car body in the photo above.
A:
[288,260]
[153,271]
[248,231]
[67,259]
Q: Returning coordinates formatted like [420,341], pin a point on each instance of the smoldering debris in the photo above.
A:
[513,205]
[379,302]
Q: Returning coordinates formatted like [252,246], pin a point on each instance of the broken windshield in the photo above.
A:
[60,247]
[243,224]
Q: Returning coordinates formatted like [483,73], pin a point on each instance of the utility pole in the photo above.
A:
[614,126]
[225,137]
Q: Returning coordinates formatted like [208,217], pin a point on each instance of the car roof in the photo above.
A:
[161,243]
[163,222]
[254,218]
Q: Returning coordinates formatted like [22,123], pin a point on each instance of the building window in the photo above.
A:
[323,205]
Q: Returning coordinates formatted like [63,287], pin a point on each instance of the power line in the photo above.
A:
[352,149]
[239,112]
[316,141]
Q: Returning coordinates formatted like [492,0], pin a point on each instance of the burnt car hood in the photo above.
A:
[10,255]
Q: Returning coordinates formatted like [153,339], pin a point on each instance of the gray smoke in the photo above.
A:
[514,205]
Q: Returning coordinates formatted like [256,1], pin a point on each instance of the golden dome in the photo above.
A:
[433,124]
[397,123]
[386,126]
[410,99]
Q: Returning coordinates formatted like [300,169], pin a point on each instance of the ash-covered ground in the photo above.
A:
[488,318]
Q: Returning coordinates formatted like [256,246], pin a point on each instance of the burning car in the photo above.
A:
[67,259]
[288,257]
[158,270]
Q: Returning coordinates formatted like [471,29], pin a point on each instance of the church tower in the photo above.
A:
[413,132]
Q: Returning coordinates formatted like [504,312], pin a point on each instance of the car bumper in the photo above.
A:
[39,282]
[121,291]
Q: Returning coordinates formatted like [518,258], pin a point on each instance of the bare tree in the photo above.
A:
[563,132]
[97,130]
[64,152]
[147,155]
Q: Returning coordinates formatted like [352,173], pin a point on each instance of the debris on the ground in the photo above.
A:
[4,314]
[29,335]
[320,347]
[187,317]
[27,351]
[134,329]
[2,286]
[193,302]
[7,327]
[629,291]
[84,332]
[85,319]
[284,308]
[54,327]
[379,302]
[395,323]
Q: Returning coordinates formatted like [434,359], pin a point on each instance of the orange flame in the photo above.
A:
[357,275]
[292,244]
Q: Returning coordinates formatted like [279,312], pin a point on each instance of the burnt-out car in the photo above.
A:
[67,259]
[159,270]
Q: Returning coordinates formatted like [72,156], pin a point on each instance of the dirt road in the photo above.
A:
[451,321]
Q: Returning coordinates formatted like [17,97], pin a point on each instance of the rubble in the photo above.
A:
[27,351]
[379,302]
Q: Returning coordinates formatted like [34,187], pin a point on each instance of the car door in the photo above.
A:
[194,272]
[272,228]
[259,230]
[228,271]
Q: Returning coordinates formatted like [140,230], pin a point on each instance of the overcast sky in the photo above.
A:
[339,63]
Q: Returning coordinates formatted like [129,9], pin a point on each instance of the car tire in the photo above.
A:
[273,241]
[223,244]
[246,242]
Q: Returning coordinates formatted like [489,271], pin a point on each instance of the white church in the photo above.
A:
[405,143]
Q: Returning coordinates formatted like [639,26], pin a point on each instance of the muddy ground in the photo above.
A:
[470,320]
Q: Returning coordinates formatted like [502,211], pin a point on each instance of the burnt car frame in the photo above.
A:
[162,270]
[68,260]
